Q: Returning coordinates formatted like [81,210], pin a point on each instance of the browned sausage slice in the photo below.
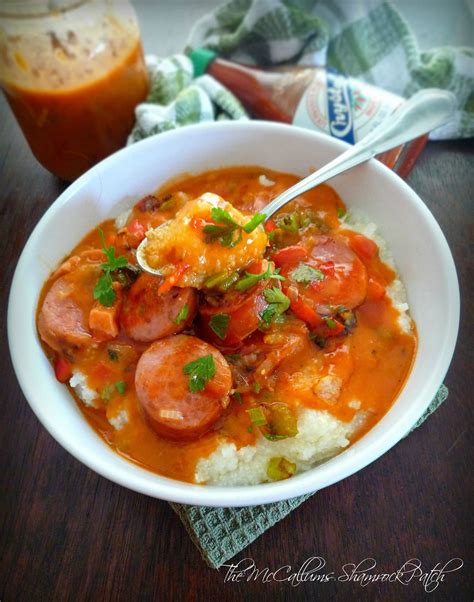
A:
[147,316]
[171,408]
[62,323]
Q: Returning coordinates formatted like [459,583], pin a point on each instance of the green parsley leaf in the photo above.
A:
[257,387]
[278,303]
[340,212]
[200,371]
[225,232]
[103,290]
[250,280]
[219,323]
[113,263]
[305,274]
[182,314]
[237,396]
[256,220]
[249,429]
[121,387]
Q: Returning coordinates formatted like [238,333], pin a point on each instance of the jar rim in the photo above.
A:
[31,9]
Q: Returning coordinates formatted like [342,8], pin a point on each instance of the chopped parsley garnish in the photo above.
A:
[219,323]
[278,303]
[250,280]
[121,387]
[340,212]
[257,387]
[250,429]
[237,396]
[200,371]
[226,230]
[103,290]
[182,314]
[305,274]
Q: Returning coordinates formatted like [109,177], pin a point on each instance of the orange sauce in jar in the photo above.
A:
[73,85]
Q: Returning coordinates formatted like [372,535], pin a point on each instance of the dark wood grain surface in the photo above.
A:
[68,534]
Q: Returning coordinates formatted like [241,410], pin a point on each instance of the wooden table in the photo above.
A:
[68,534]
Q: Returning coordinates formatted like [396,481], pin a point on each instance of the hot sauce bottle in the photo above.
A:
[311,97]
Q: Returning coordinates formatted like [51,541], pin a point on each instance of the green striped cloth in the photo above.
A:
[370,41]
[176,98]
[221,533]
[367,40]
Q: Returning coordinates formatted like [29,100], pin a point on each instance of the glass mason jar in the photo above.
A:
[73,72]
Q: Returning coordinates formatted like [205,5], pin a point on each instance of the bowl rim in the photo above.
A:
[376,442]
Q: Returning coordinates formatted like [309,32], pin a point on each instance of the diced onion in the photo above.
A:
[264,181]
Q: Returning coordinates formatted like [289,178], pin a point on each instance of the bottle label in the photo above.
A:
[343,107]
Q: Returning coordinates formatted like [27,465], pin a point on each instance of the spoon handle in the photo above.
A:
[424,111]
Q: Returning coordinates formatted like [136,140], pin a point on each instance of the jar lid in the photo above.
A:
[200,58]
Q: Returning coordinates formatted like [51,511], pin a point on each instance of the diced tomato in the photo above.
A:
[197,223]
[136,227]
[172,280]
[101,371]
[270,226]
[62,369]
[327,268]
[329,328]
[303,310]
[375,290]
[363,246]
[291,254]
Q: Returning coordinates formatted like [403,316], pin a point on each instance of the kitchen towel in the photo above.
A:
[366,39]
[221,533]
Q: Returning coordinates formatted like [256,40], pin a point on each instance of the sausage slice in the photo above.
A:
[147,315]
[171,408]
[64,315]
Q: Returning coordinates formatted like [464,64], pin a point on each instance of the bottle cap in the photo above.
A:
[200,58]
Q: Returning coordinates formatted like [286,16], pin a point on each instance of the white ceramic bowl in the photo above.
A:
[418,245]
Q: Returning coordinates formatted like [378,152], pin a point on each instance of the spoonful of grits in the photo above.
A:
[209,237]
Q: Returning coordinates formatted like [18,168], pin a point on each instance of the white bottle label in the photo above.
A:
[343,107]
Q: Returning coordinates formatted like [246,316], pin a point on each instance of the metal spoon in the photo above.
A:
[423,112]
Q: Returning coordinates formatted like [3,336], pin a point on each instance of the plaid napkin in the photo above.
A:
[368,40]
[371,42]
[176,99]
